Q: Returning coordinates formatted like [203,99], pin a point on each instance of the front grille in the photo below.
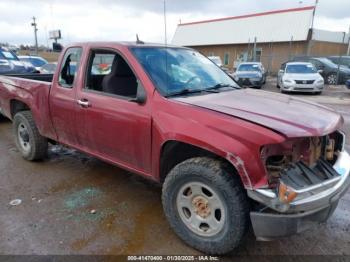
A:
[302,89]
[299,175]
[304,82]
[244,82]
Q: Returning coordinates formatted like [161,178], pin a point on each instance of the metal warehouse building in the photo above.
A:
[271,37]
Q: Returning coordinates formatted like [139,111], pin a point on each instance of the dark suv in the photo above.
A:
[329,69]
[344,60]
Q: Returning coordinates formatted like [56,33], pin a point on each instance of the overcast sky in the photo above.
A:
[82,20]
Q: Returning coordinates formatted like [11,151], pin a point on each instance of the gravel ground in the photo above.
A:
[75,204]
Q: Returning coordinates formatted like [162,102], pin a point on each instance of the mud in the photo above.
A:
[59,194]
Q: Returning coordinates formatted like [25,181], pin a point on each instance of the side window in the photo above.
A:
[69,67]
[109,73]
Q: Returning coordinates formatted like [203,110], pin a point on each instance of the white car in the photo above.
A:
[216,60]
[300,77]
[36,61]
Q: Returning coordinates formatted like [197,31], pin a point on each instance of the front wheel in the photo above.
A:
[29,142]
[206,205]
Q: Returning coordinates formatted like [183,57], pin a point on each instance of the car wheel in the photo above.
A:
[332,79]
[206,205]
[29,142]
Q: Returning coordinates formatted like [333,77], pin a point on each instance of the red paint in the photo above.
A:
[233,125]
[251,15]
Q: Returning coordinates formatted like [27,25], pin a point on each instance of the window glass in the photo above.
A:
[301,69]
[175,70]
[249,68]
[226,59]
[109,73]
[70,67]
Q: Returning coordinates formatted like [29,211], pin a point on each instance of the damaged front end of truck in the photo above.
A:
[306,179]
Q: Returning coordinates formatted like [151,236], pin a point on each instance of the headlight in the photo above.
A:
[320,81]
[288,81]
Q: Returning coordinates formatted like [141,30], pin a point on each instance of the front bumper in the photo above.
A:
[250,82]
[313,205]
[303,87]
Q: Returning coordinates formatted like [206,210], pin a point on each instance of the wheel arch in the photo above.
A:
[174,152]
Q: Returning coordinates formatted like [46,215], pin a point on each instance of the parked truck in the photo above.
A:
[226,157]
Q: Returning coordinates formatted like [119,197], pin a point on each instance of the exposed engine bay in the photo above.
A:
[302,162]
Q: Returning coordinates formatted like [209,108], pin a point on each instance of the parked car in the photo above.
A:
[226,157]
[344,60]
[300,77]
[36,61]
[217,60]
[250,74]
[347,83]
[10,64]
[329,69]
[48,68]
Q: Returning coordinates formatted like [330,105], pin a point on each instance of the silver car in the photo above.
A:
[300,77]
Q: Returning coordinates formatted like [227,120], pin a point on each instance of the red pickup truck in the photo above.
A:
[227,158]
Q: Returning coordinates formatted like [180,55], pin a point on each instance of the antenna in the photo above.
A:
[165,42]
[165,24]
[138,41]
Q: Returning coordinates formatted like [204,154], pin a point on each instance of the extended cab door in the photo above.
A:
[63,103]
[111,123]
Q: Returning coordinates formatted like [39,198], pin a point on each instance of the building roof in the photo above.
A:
[276,26]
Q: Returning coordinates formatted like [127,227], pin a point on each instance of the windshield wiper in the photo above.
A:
[185,92]
[218,86]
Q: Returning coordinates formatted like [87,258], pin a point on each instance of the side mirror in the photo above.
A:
[281,71]
[141,95]
[320,72]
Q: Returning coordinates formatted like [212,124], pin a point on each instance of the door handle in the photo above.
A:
[84,103]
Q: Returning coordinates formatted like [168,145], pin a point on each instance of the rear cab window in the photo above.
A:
[69,67]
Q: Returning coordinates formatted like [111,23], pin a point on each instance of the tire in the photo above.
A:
[331,79]
[224,186]
[318,93]
[29,142]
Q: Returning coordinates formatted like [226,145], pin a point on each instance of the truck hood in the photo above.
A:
[284,114]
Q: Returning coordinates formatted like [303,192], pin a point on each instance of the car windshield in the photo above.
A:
[248,68]
[301,69]
[177,70]
[7,55]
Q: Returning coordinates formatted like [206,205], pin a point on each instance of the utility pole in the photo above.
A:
[348,52]
[340,57]
[35,35]
[254,54]
[309,46]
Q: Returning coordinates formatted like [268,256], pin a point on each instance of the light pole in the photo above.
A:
[309,46]
[35,35]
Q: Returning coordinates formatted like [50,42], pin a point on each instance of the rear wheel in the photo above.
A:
[29,142]
[206,205]
[332,79]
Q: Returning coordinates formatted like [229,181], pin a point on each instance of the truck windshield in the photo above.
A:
[301,69]
[176,70]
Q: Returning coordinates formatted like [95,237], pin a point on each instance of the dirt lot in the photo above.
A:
[75,204]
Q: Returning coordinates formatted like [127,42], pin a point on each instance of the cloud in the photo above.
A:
[82,20]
